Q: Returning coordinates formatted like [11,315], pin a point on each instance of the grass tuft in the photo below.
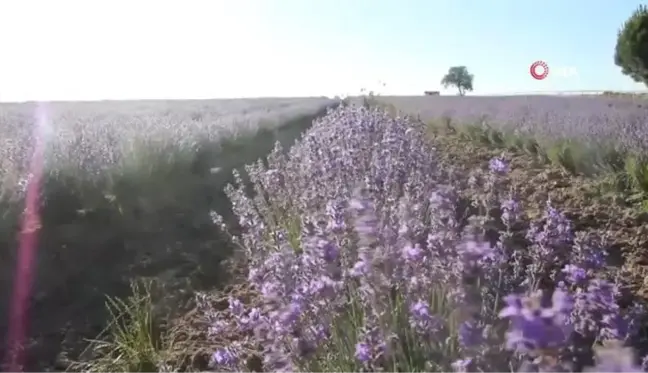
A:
[132,342]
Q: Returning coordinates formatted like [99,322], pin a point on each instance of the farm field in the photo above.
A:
[127,192]
[384,242]
[587,154]
[594,120]
[398,233]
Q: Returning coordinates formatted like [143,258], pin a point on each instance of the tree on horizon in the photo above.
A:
[458,76]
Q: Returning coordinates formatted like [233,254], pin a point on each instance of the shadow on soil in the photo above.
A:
[150,221]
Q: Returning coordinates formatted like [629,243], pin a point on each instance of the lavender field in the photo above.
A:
[372,250]
[127,192]
[97,136]
[598,120]
[377,242]
[596,136]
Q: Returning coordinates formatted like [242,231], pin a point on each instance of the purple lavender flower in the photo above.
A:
[253,316]
[359,268]
[363,352]
[613,357]
[328,250]
[413,253]
[236,306]
[535,325]
[422,320]
[291,314]
[462,365]
[597,312]
[474,252]
[574,273]
[470,334]
[420,310]
[498,165]
[223,357]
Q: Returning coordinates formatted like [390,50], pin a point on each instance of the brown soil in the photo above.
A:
[623,224]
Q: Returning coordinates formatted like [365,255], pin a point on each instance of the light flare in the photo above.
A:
[28,241]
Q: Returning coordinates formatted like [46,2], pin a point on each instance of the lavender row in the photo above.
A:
[364,255]
[618,121]
[95,136]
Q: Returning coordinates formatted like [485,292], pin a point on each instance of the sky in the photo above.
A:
[138,49]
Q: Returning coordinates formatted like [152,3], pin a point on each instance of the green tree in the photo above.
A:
[458,76]
[631,52]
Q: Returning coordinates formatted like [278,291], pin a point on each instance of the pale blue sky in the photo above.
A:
[127,49]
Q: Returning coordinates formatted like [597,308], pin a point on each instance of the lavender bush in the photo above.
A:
[365,255]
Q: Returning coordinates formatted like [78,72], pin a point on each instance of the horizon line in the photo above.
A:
[517,93]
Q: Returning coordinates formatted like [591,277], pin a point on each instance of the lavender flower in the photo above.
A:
[363,352]
[498,165]
[613,357]
[574,273]
[535,325]
[223,357]
[470,334]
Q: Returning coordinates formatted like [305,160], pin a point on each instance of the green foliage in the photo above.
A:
[134,342]
[610,159]
[531,146]
[408,354]
[459,77]
[637,171]
[631,52]
[562,154]
[495,137]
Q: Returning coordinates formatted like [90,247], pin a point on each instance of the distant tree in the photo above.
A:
[631,52]
[459,77]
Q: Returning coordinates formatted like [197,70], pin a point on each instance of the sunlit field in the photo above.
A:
[127,192]
[402,234]
[420,235]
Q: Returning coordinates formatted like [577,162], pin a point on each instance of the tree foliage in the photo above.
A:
[458,76]
[631,52]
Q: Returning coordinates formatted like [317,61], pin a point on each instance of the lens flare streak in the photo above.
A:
[28,240]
